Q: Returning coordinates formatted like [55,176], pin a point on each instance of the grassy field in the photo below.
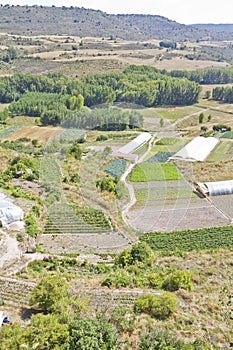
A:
[212,171]
[175,113]
[158,190]
[154,172]
[223,151]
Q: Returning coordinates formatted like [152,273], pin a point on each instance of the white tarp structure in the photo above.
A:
[217,188]
[136,143]
[9,212]
[196,150]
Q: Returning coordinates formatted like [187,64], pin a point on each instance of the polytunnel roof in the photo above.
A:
[135,143]
[9,212]
[196,150]
[219,187]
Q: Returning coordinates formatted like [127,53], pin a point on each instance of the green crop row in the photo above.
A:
[4,133]
[116,167]
[188,240]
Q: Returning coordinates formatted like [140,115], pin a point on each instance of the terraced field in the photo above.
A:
[15,291]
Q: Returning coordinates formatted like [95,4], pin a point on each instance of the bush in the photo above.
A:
[178,279]
[159,306]
[157,340]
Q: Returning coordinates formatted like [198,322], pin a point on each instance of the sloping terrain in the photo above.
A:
[35,20]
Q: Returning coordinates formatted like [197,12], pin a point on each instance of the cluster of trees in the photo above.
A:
[52,108]
[224,94]
[55,98]
[23,167]
[141,85]
[208,76]
[168,44]
[135,268]
[105,119]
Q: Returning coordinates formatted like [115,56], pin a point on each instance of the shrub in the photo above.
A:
[159,306]
[178,279]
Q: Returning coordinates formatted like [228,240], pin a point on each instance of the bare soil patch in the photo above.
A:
[170,215]
[88,243]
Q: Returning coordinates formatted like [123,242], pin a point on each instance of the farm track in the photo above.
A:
[129,186]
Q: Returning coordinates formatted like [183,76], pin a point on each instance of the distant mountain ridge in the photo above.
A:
[39,20]
[221,27]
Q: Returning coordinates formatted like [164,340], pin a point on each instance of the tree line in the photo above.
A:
[208,76]
[224,94]
[141,85]
[55,109]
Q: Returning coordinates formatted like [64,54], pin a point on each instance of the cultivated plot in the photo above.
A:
[179,214]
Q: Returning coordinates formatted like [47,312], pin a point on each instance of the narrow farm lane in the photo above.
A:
[10,250]
[129,186]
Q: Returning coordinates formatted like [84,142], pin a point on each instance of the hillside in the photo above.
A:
[227,28]
[36,20]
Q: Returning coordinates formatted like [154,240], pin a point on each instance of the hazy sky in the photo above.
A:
[182,11]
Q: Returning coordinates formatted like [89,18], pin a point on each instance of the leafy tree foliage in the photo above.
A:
[156,340]
[55,97]
[92,334]
[223,94]
[47,332]
[209,76]
[108,184]
[50,293]
[75,150]
[168,44]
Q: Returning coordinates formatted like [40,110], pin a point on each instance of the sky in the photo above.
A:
[182,11]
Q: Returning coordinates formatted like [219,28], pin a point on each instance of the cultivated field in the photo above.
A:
[42,134]
[179,214]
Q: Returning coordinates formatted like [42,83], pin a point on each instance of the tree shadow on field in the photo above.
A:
[27,313]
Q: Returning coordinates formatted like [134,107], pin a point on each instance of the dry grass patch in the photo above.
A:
[212,171]
[42,134]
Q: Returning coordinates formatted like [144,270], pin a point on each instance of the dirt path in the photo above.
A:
[12,259]
[11,251]
[129,186]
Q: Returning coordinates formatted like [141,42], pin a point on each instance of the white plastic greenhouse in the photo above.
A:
[217,188]
[126,151]
[196,150]
[136,143]
[9,212]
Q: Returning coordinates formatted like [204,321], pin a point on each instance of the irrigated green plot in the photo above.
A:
[144,172]
[116,167]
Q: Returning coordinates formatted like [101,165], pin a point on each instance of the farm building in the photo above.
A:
[9,212]
[217,188]
[196,150]
[126,151]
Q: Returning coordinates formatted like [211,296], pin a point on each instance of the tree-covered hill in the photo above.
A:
[33,20]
